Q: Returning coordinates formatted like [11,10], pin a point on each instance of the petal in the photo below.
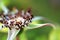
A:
[41,25]
[36,25]
[37,18]
[4,8]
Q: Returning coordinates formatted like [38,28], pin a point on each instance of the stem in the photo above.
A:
[17,38]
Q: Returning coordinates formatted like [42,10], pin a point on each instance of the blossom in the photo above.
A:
[15,22]
[13,32]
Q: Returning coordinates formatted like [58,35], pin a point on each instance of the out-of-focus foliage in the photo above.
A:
[47,8]
[55,34]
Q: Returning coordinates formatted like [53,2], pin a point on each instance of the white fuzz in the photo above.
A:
[12,33]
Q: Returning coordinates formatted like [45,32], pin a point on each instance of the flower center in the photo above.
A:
[17,20]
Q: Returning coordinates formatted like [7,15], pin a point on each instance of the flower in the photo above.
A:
[15,22]
[13,32]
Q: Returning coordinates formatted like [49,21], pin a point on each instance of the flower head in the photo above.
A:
[15,22]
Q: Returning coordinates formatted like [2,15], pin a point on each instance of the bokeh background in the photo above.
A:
[49,9]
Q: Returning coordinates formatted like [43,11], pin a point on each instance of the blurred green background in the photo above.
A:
[49,9]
